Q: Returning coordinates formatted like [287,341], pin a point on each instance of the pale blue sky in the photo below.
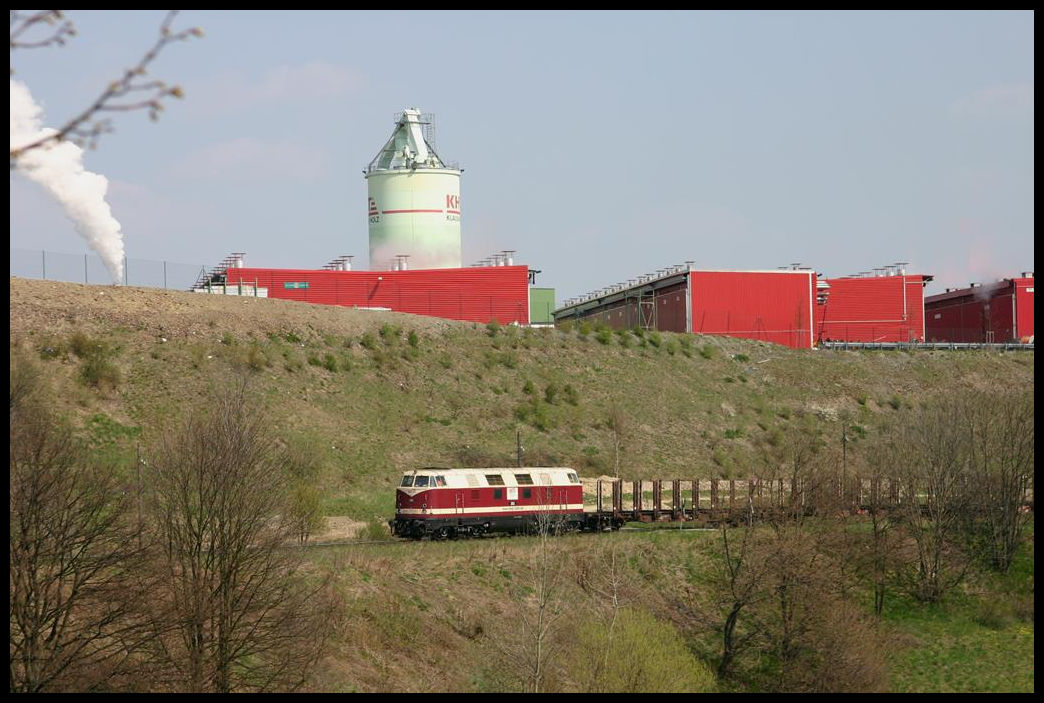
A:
[599,145]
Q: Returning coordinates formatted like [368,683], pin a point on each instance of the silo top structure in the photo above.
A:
[413,201]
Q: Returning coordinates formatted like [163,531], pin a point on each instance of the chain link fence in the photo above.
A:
[88,268]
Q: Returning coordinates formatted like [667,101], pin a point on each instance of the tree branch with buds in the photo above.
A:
[132,91]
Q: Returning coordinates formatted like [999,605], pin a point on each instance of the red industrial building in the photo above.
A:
[474,294]
[881,308]
[773,306]
[999,312]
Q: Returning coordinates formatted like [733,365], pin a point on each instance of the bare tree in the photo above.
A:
[742,585]
[603,578]
[1000,432]
[528,651]
[242,615]
[933,452]
[130,92]
[882,460]
[780,594]
[73,617]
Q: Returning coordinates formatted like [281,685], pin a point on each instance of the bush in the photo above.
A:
[551,393]
[707,351]
[368,341]
[655,338]
[80,344]
[645,655]
[305,511]
[390,333]
[374,531]
[256,358]
[493,328]
[571,395]
[97,369]
[604,335]
[413,339]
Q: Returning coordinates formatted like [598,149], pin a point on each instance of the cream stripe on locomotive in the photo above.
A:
[492,509]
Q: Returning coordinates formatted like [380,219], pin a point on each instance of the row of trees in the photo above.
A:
[176,580]
[786,603]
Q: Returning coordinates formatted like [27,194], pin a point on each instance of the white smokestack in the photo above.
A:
[58,167]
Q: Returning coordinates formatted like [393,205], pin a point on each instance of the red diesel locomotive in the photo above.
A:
[444,503]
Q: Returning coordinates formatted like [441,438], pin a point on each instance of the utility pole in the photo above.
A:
[518,446]
[844,456]
[139,463]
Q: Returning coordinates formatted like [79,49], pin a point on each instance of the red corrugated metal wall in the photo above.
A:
[766,305]
[984,314]
[477,294]
[872,309]
[1024,308]
[670,309]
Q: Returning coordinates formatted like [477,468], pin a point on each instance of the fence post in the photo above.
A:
[43,254]
[85,268]
[126,273]
[164,275]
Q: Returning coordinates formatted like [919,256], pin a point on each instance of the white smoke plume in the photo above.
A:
[58,167]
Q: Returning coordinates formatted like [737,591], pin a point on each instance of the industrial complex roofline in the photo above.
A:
[650,282]
[595,301]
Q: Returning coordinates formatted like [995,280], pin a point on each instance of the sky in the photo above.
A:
[598,145]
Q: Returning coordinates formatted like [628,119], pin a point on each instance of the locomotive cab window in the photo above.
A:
[573,478]
[407,481]
[440,480]
[420,482]
[495,479]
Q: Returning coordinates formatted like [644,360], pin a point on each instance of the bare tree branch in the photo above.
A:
[118,96]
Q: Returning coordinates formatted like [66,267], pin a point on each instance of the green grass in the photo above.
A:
[979,639]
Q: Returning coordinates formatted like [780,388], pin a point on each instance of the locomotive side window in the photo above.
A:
[524,479]
[527,492]
[440,480]
[495,479]
[498,493]
[420,482]
[407,481]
